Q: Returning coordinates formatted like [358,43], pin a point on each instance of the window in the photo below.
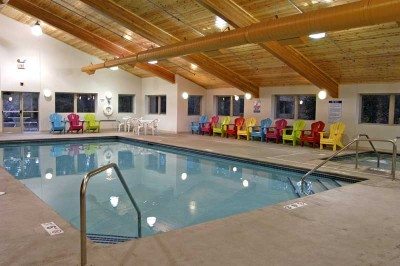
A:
[295,107]
[86,103]
[230,105]
[306,107]
[285,106]
[64,102]
[397,109]
[194,105]
[380,109]
[125,103]
[157,104]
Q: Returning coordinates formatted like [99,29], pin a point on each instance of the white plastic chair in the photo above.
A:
[122,122]
[132,123]
[153,125]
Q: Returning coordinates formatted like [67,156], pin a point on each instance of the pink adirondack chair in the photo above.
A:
[276,131]
[74,123]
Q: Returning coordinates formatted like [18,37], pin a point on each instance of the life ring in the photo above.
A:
[108,110]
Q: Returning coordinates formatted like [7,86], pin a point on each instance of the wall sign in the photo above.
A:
[335,111]
[52,228]
[21,63]
[257,106]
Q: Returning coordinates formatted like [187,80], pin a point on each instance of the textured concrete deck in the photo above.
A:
[354,225]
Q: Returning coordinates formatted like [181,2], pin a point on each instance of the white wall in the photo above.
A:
[54,65]
[191,88]
[348,93]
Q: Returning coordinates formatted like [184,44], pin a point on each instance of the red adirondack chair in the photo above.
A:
[276,131]
[207,127]
[312,135]
[74,123]
[231,129]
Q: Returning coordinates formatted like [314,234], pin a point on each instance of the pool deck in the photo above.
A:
[357,224]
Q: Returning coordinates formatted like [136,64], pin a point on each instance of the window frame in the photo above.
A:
[231,104]
[199,103]
[77,95]
[159,104]
[132,96]
[75,102]
[296,107]
[391,109]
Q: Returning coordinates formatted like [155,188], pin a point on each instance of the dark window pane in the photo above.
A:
[64,102]
[375,109]
[224,105]
[153,104]
[163,104]
[397,109]
[306,107]
[238,106]
[86,103]
[285,106]
[125,103]
[31,101]
[31,121]
[194,103]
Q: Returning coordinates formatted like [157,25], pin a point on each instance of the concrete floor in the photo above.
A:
[357,224]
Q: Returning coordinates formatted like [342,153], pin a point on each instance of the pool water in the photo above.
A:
[369,159]
[173,188]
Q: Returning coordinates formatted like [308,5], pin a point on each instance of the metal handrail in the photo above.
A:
[378,156]
[84,184]
[393,172]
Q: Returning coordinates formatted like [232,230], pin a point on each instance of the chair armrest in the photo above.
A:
[304,130]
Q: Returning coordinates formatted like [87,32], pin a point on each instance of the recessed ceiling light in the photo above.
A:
[36,29]
[220,23]
[193,66]
[317,35]
[114,68]
[305,4]
[314,2]
[128,37]
[153,62]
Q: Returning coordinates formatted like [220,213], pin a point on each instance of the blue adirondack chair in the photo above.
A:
[195,126]
[259,131]
[57,123]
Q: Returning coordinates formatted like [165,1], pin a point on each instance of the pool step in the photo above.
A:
[329,183]
[109,239]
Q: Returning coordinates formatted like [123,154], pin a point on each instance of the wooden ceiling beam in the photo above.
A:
[238,17]
[87,36]
[157,35]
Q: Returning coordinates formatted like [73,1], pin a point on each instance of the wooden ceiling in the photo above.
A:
[369,54]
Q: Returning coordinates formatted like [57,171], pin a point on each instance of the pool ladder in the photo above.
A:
[356,141]
[84,185]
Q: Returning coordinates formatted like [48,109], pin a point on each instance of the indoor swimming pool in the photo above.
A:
[174,188]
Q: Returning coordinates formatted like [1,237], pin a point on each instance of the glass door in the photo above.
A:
[30,111]
[20,111]
[11,112]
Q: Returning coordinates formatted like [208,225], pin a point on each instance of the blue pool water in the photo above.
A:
[173,188]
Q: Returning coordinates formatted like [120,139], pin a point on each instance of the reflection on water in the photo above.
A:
[173,189]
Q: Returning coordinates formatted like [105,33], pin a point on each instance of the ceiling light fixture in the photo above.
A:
[322,94]
[185,95]
[317,36]
[247,95]
[128,37]
[114,68]
[220,23]
[193,66]
[36,29]
[153,62]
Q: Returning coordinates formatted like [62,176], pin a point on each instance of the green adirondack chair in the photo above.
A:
[293,134]
[220,128]
[91,123]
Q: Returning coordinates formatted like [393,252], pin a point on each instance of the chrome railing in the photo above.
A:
[378,156]
[394,154]
[84,184]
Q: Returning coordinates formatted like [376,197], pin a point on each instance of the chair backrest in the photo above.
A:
[280,124]
[336,130]
[251,122]
[226,120]
[56,119]
[154,123]
[73,119]
[297,126]
[239,122]
[265,123]
[317,127]
[203,119]
[91,118]
[214,120]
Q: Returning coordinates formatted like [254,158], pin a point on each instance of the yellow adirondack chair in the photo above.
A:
[336,131]
[246,128]
[91,123]
[293,134]
[220,128]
